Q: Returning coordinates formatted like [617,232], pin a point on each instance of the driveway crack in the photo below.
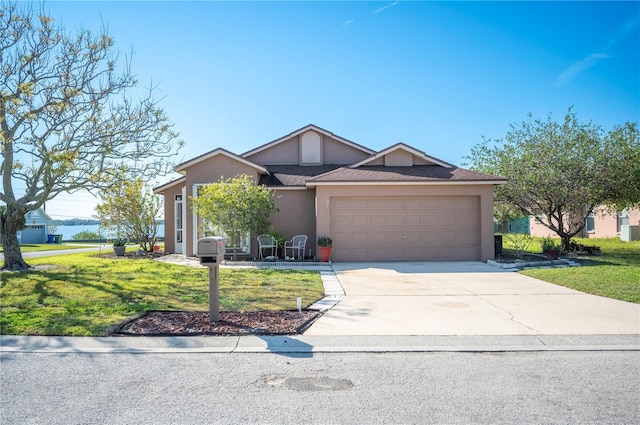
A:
[509,313]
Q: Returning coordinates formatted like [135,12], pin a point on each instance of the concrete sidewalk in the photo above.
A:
[317,344]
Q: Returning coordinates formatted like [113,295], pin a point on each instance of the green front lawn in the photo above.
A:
[81,294]
[48,247]
[615,274]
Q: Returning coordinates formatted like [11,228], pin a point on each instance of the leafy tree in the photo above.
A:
[132,210]
[559,172]
[236,205]
[67,121]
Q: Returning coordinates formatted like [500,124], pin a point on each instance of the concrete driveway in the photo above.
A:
[465,298]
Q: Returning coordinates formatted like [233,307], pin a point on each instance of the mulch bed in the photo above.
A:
[130,254]
[181,323]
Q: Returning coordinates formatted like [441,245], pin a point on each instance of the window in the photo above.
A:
[242,243]
[623,219]
[591,223]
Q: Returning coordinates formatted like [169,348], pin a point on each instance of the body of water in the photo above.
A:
[67,232]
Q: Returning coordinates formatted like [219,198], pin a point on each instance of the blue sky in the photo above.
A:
[436,75]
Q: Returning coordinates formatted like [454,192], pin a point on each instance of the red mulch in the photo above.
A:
[231,323]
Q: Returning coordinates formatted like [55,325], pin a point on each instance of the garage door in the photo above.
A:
[429,228]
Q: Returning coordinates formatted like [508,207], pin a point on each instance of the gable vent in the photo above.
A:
[311,148]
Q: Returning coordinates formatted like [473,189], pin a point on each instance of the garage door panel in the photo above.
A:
[377,220]
[468,252]
[405,228]
[448,204]
[430,237]
[341,221]
[429,204]
[359,220]
[395,220]
[447,220]
[413,237]
[378,205]
[359,205]
[340,204]
[341,239]
[359,238]
[359,254]
[466,205]
[395,238]
[379,238]
[413,221]
[395,204]
[468,237]
[430,221]
[391,252]
[413,204]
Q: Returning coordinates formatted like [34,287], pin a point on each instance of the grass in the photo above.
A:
[84,295]
[47,247]
[615,274]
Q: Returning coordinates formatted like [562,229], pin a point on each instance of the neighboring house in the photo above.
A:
[36,227]
[396,204]
[519,225]
[599,225]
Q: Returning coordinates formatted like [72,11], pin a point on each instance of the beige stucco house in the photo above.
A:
[393,205]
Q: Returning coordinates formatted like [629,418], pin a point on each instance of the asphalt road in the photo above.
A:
[323,388]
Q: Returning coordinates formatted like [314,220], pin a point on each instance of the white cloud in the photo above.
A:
[380,9]
[627,28]
[592,60]
[350,21]
[578,67]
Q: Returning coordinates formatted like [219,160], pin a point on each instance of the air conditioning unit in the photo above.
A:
[629,233]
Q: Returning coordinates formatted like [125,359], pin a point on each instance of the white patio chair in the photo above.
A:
[269,242]
[296,245]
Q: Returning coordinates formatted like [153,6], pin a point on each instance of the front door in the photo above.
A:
[179,233]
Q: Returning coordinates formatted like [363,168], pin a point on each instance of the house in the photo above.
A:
[395,204]
[600,224]
[36,227]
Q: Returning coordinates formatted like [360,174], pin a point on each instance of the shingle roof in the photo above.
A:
[417,173]
[293,175]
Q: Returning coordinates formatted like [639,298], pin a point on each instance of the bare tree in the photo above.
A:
[67,120]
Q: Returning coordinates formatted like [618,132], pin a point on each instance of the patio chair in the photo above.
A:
[269,242]
[296,245]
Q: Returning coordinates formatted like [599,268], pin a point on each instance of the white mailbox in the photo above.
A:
[211,250]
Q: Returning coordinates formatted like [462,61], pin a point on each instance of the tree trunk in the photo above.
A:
[9,225]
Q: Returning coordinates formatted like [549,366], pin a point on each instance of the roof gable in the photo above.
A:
[181,168]
[401,155]
[160,189]
[303,130]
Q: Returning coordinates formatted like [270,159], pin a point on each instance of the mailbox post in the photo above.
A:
[211,253]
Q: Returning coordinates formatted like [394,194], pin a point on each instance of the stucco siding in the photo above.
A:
[296,215]
[335,152]
[284,153]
